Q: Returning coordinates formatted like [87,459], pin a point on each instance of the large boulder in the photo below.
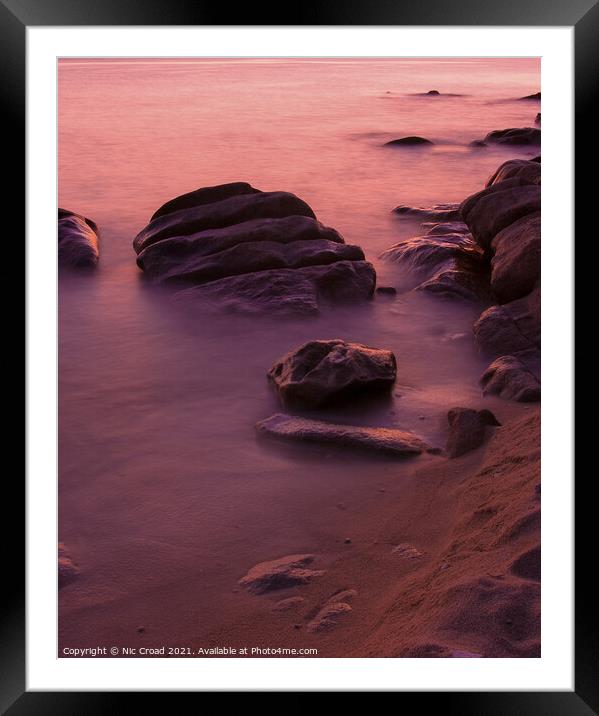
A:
[299,292]
[234,244]
[322,372]
[525,169]
[226,212]
[510,328]
[509,378]
[77,240]
[467,429]
[516,262]
[489,211]
[390,441]
[515,135]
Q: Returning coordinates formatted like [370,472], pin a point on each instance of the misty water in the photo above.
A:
[166,496]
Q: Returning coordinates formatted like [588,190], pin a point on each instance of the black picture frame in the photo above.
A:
[15,17]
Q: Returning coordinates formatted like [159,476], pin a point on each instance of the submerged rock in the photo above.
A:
[408,142]
[77,241]
[321,372]
[246,250]
[433,92]
[536,95]
[509,378]
[280,573]
[439,212]
[288,292]
[459,280]
[384,440]
[467,428]
[67,569]
[424,253]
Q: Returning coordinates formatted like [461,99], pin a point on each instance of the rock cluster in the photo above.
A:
[236,248]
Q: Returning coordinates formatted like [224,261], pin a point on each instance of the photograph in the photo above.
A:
[299,357]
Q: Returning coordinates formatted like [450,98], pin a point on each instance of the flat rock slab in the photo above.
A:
[388,441]
[438,212]
[280,573]
[77,241]
[322,372]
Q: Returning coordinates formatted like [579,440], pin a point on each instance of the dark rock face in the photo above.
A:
[388,441]
[321,372]
[467,429]
[408,142]
[433,92]
[510,328]
[523,169]
[516,262]
[280,573]
[536,95]
[251,251]
[77,241]
[509,378]
[227,212]
[499,205]
[299,292]
[514,135]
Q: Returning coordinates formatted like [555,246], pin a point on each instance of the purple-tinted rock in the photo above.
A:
[77,241]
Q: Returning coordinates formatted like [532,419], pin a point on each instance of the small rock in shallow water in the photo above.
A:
[409,142]
[467,428]
[77,241]
[280,573]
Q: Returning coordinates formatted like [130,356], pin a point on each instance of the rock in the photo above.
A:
[510,328]
[289,292]
[320,372]
[329,616]
[408,551]
[250,251]
[538,118]
[77,241]
[445,228]
[489,211]
[234,210]
[514,135]
[516,262]
[206,195]
[386,290]
[536,95]
[461,654]
[478,144]
[528,564]
[246,258]
[458,280]
[286,605]
[433,92]
[280,573]
[183,254]
[439,212]
[509,378]
[334,610]
[389,441]
[467,428]
[422,254]
[67,569]
[408,142]
[527,171]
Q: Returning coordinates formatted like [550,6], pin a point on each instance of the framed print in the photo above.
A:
[286,348]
